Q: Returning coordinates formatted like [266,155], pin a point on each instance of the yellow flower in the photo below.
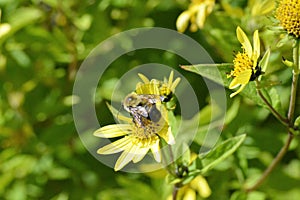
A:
[138,138]
[288,14]
[262,7]
[196,14]
[164,88]
[246,66]
[198,186]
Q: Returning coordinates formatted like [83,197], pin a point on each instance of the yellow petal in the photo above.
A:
[242,78]
[234,84]
[262,7]
[171,79]
[115,147]
[140,154]
[117,114]
[126,157]
[4,29]
[256,47]
[243,39]
[189,194]
[201,185]
[113,130]
[201,15]
[238,91]
[156,151]
[148,88]
[232,10]
[167,136]
[263,63]
[143,77]
[182,21]
[174,84]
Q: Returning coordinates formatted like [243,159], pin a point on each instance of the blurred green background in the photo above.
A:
[42,44]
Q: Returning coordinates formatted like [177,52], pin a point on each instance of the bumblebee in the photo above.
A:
[144,108]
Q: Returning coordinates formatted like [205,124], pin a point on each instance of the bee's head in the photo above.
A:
[131,100]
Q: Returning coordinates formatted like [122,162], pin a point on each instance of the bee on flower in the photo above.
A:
[147,125]
[195,14]
[246,65]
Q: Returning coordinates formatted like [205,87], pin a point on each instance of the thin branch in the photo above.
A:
[274,163]
[294,83]
[165,161]
[175,192]
[280,118]
[290,119]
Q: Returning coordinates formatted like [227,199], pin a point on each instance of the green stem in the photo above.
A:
[274,163]
[164,159]
[280,118]
[175,192]
[290,120]
[172,169]
[294,83]
[175,167]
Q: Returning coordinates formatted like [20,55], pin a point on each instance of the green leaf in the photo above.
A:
[233,110]
[218,73]
[220,152]
[263,63]
[188,179]
[214,72]
[297,122]
[251,93]
[238,195]
[274,99]
[21,18]
[174,122]
[172,180]
[186,154]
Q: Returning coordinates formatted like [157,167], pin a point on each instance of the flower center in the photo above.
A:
[288,15]
[147,135]
[241,63]
[145,142]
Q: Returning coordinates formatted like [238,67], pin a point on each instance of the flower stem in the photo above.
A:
[175,167]
[164,159]
[280,118]
[274,163]
[294,83]
[172,169]
[290,119]
[175,192]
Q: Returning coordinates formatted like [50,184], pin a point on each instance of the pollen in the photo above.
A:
[288,15]
[241,63]
[144,142]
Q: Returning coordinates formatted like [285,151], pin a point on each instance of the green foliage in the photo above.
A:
[220,152]
[43,43]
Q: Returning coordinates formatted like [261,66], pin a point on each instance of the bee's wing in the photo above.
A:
[150,98]
[139,110]
[242,79]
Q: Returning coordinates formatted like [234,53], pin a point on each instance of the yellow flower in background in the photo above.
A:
[196,14]
[245,63]
[288,14]
[262,7]
[4,27]
[197,187]
[146,127]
